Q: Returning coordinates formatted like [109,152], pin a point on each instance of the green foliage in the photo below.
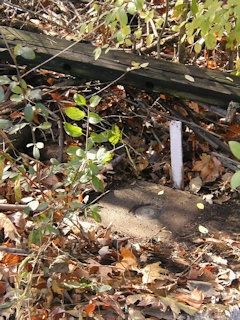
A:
[209,21]
[235,148]
[125,23]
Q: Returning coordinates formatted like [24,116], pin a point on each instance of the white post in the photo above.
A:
[176,153]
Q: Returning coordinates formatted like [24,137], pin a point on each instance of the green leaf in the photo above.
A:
[131,8]
[74,113]
[194,7]
[95,214]
[4,80]
[16,98]
[149,39]
[107,157]
[115,135]
[94,101]
[123,18]
[97,52]
[35,237]
[28,112]
[45,125]
[17,127]
[139,4]
[25,52]
[23,84]
[42,108]
[5,124]
[94,118]
[235,180]
[72,130]
[235,148]
[126,30]
[210,41]
[94,168]
[34,94]
[15,88]
[100,137]
[138,33]
[79,99]
[197,47]
[97,184]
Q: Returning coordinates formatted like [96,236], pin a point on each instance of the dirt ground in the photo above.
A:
[147,210]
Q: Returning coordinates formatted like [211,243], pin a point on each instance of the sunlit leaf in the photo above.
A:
[4,80]
[139,4]
[94,118]
[100,137]
[94,101]
[189,78]
[33,205]
[74,113]
[235,148]
[25,52]
[202,229]
[115,135]
[72,130]
[45,125]
[235,180]
[15,88]
[200,206]
[36,152]
[123,18]
[97,52]
[131,8]
[17,127]
[79,99]
[17,190]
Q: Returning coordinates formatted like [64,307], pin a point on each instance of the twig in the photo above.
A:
[163,28]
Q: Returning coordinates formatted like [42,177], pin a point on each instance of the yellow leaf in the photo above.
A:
[17,190]
[200,206]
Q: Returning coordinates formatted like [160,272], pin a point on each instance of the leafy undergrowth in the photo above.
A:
[86,272]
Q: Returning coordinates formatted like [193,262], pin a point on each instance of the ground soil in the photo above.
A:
[145,210]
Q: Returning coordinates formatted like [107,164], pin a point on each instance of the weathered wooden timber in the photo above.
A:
[188,82]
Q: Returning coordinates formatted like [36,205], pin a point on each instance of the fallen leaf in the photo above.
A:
[195,184]
[195,299]
[153,272]
[10,230]
[128,262]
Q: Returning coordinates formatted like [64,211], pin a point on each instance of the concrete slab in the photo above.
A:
[147,210]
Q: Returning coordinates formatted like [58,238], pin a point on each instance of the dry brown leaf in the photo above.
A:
[153,272]
[209,168]
[128,262]
[195,299]
[10,230]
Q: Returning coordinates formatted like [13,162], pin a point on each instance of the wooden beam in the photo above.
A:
[187,82]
